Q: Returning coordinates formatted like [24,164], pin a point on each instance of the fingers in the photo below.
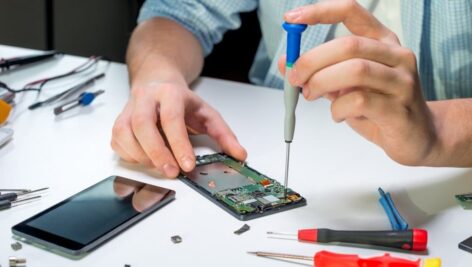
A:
[217,129]
[352,73]
[357,19]
[144,119]
[363,104]
[172,114]
[342,49]
[281,64]
[122,152]
[123,140]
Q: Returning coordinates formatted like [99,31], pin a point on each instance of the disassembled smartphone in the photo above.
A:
[89,218]
[238,189]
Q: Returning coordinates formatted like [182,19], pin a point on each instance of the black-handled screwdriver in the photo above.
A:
[6,204]
[14,196]
[18,61]
[414,239]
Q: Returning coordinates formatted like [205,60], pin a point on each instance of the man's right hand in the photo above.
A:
[153,128]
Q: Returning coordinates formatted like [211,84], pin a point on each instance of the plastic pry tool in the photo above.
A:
[396,220]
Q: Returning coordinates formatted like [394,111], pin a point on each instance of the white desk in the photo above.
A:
[336,170]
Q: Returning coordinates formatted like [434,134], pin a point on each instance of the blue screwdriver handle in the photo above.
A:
[294,36]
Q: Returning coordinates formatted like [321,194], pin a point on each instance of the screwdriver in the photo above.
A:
[294,36]
[6,204]
[67,93]
[18,61]
[84,99]
[330,259]
[14,190]
[414,239]
[14,196]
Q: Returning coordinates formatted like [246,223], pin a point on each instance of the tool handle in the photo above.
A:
[290,99]
[6,63]
[8,197]
[415,239]
[329,259]
[87,97]
[5,204]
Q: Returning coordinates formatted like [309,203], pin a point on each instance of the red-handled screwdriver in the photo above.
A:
[414,239]
[329,259]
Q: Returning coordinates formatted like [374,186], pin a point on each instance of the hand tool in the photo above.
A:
[16,262]
[414,239]
[14,196]
[84,99]
[6,204]
[330,259]
[294,35]
[67,93]
[18,61]
[396,220]
[14,190]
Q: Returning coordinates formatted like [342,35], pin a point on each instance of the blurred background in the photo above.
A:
[103,27]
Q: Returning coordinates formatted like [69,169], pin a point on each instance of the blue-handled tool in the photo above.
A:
[84,99]
[396,220]
[294,36]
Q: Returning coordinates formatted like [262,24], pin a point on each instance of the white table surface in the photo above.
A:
[337,171]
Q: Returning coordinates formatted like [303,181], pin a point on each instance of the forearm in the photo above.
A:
[453,123]
[162,50]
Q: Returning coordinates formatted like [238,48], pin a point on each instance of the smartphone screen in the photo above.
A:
[85,220]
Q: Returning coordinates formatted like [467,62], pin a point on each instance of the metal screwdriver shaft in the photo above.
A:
[287,162]
[6,204]
[84,99]
[280,255]
[294,35]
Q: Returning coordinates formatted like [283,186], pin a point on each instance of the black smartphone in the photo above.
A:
[86,220]
[466,245]
[239,189]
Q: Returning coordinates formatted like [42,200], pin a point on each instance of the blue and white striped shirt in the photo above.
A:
[439,32]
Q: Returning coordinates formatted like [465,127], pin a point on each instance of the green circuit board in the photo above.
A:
[465,200]
[240,188]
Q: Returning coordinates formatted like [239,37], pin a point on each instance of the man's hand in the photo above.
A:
[371,80]
[152,129]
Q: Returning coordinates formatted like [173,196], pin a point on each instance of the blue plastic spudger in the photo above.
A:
[396,220]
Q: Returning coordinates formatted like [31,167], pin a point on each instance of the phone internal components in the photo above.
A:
[176,239]
[16,246]
[465,200]
[243,229]
[239,189]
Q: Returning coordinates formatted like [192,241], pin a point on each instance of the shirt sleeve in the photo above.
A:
[208,20]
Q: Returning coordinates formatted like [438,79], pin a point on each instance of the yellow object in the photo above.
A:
[5,109]
[434,262]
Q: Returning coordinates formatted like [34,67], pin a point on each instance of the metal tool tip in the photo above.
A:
[252,252]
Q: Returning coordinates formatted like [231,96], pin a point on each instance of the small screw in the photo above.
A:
[14,261]
[16,246]
[176,239]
